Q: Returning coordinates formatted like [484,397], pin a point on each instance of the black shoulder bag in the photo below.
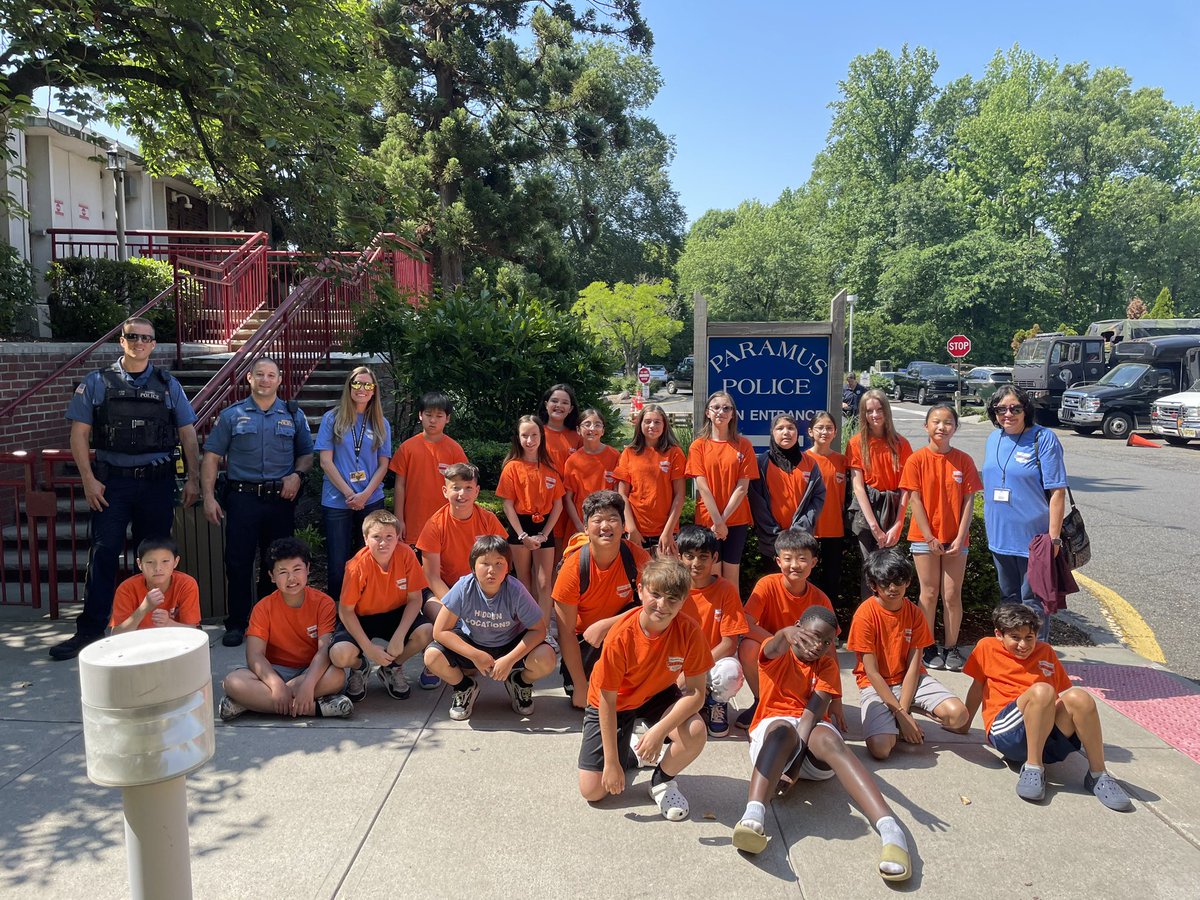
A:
[1075,541]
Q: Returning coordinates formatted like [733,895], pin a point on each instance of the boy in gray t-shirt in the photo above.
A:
[489,624]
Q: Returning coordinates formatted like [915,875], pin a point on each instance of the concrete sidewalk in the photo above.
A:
[400,801]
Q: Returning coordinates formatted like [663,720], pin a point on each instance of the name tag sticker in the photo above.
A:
[1000,495]
[358,476]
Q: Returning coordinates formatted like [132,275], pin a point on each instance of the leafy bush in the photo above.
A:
[494,355]
[488,456]
[89,296]
[16,288]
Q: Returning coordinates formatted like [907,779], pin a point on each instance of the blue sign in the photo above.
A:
[767,376]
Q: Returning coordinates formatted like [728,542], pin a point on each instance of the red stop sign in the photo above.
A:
[958,346]
[644,375]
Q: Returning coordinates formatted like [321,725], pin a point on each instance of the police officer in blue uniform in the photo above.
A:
[852,394]
[133,414]
[268,449]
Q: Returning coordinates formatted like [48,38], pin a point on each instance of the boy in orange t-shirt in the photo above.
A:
[777,601]
[420,465]
[888,633]
[792,738]
[645,654]
[159,596]
[714,603]
[287,647]
[381,598]
[1031,713]
[448,537]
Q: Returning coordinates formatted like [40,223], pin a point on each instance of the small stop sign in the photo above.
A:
[644,375]
[958,346]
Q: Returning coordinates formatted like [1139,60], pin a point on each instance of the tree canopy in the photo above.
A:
[630,320]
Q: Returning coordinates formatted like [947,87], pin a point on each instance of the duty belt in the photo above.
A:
[258,488]
[152,472]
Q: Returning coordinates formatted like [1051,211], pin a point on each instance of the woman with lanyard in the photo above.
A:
[1024,493]
[355,444]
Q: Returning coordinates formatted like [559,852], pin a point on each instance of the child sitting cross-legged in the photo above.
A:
[490,625]
[791,737]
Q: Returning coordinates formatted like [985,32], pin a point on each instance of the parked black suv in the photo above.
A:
[681,378]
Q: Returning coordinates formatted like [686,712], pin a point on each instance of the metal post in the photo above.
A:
[851,299]
[122,248]
[156,840]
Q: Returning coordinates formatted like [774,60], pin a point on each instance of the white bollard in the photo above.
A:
[147,723]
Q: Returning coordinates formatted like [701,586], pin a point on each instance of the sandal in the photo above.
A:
[894,854]
[671,802]
[748,838]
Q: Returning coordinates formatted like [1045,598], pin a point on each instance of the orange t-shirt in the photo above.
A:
[585,473]
[718,610]
[786,684]
[884,474]
[637,665]
[773,606]
[422,464]
[1005,678]
[452,539]
[181,599]
[651,477]
[368,589]
[532,487]
[722,463]
[291,633]
[942,481]
[561,446]
[608,589]
[787,488]
[889,635]
[831,522]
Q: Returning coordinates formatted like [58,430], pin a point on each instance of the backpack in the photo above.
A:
[584,554]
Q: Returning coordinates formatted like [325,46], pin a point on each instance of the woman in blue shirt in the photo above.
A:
[1024,493]
[355,444]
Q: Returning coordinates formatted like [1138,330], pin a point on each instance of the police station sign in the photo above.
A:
[770,368]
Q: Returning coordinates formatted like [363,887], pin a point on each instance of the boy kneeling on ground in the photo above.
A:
[489,624]
[635,678]
[287,647]
[1031,713]
[791,737]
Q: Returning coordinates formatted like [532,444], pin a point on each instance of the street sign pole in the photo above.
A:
[958,347]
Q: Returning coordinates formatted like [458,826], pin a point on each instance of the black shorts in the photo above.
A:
[588,655]
[591,752]
[380,625]
[462,662]
[529,527]
[734,545]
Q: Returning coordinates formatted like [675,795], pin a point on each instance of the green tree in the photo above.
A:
[1164,306]
[630,320]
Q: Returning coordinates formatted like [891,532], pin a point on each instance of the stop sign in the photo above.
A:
[644,374]
[958,346]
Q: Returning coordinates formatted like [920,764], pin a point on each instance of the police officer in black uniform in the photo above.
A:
[133,414]
[268,449]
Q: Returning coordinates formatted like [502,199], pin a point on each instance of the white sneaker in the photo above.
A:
[463,702]
[335,706]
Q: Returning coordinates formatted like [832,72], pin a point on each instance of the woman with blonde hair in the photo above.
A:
[354,445]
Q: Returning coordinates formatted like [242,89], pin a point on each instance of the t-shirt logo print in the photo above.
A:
[442,467]
[908,635]
[312,631]
[957,476]
[550,482]
[1047,667]
[664,466]
[675,663]
[623,590]
[402,584]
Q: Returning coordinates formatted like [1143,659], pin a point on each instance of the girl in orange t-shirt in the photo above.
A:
[790,491]
[559,415]
[590,469]
[723,464]
[943,482]
[875,457]
[830,531]
[650,476]
[532,491]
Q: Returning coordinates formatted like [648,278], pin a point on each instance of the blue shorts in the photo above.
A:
[1007,735]
[921,548]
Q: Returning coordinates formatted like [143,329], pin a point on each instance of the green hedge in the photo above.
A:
[16,288]
[89,296]
[488,457]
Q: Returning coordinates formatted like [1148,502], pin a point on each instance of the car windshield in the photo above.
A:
[1124,375]
[937,370]
[1034,351]
[1001,377]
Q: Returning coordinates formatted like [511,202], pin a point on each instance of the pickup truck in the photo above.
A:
[1176,417]
[925,382]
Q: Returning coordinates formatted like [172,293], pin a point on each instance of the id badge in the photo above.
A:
[1000,495]
[358,476]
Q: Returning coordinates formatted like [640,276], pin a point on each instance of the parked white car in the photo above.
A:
[1177,416]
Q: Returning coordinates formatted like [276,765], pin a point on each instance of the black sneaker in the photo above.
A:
[356,681]
[69,649]
[233,637]
[746,716]
[933,658]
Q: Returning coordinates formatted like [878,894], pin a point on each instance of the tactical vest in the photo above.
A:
[134,420]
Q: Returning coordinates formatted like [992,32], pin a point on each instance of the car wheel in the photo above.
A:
[1117,425]
[1175,440]
[921,396]
[670,387]
[1085,429]
[897,394]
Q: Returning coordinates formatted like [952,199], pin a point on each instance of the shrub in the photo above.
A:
[488,457]
[16,288]
[89,296]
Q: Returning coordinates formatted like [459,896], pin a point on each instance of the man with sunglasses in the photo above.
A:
[133,414]
[268,449]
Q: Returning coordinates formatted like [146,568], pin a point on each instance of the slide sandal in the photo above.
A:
[893,854]
[747,839]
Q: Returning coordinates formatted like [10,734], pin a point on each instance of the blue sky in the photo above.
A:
[748,83]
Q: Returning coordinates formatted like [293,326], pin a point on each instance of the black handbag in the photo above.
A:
[1073,534]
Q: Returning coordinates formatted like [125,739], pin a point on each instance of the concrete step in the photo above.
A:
[62,532]
[21,595]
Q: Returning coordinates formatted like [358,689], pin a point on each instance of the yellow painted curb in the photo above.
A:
[1136,632]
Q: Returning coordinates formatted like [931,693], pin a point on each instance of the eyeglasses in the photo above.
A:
[1008,410]
[720,409]
[144,338]
[362,385]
